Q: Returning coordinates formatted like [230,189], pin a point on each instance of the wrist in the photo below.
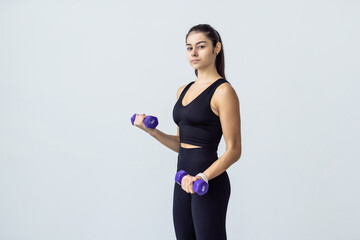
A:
[150,131]
[203,177]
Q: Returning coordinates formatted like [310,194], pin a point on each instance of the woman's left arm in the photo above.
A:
[227,103]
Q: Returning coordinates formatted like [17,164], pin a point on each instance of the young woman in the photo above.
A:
[206,109]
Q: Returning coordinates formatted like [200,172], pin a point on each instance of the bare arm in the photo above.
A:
[170,141]
[228,107]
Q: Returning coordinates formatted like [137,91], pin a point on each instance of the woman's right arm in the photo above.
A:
[170,141]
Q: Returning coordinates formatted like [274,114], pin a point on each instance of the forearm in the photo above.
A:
[223,163]
[170,141]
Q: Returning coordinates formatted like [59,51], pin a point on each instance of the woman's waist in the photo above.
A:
[200,137]
[190,144]
[204,151]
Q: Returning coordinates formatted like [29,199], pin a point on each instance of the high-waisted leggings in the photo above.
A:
[200,217]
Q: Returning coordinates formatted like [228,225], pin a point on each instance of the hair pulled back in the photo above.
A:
[214,37]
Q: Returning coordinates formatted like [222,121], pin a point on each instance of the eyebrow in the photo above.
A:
[196,43]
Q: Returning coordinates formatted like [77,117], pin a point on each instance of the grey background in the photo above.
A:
[72,73]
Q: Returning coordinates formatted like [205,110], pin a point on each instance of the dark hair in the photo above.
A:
[214,37]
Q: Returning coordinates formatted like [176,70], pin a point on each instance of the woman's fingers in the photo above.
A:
[139,120]
[187,183]
[183,182]
[190,185]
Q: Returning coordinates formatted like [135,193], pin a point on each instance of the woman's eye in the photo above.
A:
[189,48]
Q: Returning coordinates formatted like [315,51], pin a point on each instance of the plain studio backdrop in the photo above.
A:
[73,73]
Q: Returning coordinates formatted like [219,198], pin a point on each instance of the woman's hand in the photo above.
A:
[139,122]
[187,183]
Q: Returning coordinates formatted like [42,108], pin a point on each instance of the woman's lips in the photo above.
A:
[194,61]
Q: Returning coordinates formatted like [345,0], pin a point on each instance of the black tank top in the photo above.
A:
[198,124]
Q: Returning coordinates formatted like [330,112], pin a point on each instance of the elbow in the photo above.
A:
[238,155]
[236,151]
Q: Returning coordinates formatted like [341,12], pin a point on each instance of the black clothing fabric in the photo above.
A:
[198,124]
[200,217]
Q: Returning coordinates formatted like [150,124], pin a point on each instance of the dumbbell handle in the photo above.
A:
[149,121]
[200,186]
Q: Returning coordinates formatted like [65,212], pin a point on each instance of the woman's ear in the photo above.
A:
[218,47]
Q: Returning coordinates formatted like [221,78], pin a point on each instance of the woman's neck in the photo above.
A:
[206,77]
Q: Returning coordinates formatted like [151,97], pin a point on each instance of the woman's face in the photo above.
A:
[199,47]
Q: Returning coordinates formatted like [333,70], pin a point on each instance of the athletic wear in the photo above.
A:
[200,217]
[198,124]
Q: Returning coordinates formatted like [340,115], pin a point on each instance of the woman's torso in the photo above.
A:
[197,118]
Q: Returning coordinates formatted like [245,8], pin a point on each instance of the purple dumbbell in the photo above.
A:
[150,121]
[200,186]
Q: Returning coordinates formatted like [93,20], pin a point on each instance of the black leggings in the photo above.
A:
[200,217]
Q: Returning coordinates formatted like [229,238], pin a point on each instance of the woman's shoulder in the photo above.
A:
[225,90]
[180,89]
[224,86]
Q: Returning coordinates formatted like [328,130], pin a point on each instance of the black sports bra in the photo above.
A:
[198,124]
